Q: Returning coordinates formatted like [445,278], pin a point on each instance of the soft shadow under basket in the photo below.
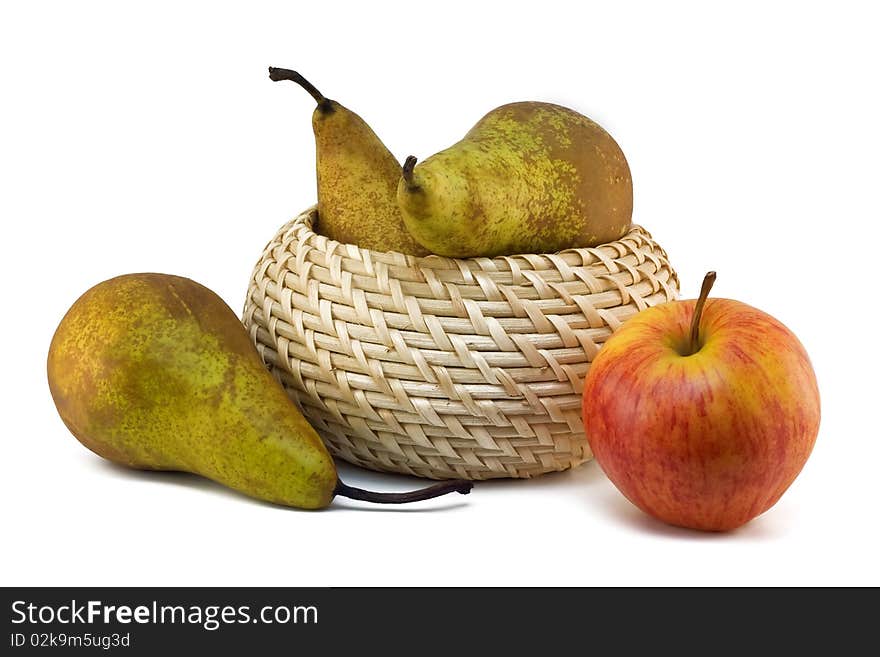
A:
[443,367]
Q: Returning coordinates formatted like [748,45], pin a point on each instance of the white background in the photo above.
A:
[151,139]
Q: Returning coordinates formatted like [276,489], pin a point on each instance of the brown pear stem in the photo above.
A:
[278,74]
[708,282]
[408,167]
[442,488]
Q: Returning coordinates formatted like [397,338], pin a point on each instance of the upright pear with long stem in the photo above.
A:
[357,177]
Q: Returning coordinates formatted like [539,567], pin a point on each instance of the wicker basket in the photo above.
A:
[441,367]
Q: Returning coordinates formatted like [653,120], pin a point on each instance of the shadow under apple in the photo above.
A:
[619,509]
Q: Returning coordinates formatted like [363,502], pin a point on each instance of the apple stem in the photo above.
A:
[708,282]
[427,493]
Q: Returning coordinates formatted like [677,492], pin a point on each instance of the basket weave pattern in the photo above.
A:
[443,367]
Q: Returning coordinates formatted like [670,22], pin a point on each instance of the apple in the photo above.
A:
[702,412]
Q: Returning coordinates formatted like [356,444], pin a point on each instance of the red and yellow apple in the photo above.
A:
[702,412]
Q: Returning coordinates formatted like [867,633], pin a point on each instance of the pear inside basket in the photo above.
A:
[443,367]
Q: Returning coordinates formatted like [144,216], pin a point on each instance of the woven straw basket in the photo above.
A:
[443,367]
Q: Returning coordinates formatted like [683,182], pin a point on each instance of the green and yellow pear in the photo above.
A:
[529,177]
[156,372]
[357,178]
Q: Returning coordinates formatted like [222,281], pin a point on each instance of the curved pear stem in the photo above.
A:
[442,488]
[694,342]
[278,74]
[408,167]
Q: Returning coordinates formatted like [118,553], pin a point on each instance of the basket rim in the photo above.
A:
[305,220]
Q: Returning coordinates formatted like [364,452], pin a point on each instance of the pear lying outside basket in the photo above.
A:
[443,367]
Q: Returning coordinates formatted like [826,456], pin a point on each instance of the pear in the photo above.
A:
[357,178]
[529,177]
[156,372]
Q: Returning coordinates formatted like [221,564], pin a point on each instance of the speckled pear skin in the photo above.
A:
[529,177]
[156,372]
[357,184]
